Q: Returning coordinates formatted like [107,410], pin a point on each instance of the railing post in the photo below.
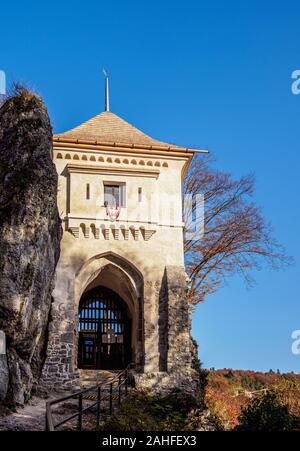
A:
[110,398]
[80,412]
[120,386]
[126,382]
[49,419]
[98,406]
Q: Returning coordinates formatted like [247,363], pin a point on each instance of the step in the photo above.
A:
[96,377]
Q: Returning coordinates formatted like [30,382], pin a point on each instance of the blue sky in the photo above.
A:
[214,75]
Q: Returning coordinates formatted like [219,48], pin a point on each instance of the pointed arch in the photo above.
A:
[87,270]
[116,273]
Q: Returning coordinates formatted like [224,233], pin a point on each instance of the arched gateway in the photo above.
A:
[109,294]
[121,290]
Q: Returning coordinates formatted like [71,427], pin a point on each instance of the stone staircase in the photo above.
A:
[89,378]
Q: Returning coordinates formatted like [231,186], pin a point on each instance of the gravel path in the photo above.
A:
[29,418]
[32,416]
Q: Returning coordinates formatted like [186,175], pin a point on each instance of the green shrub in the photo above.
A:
[266,413]
[202,373]
[141,412]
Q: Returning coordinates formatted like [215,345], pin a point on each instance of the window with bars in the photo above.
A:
[101,316]
[104,330]
[102,312]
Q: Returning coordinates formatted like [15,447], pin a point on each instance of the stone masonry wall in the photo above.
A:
[179,358]
[174,342]
[59,370]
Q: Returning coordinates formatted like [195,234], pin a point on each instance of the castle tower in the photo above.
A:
[121,289]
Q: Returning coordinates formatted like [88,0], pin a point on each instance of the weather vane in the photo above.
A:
[106,90]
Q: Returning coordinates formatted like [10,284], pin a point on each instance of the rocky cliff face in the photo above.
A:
[30,233]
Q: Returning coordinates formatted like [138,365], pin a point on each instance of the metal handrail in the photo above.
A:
[123,378]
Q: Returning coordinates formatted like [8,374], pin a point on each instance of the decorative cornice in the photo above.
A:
[115,146]
[90,169]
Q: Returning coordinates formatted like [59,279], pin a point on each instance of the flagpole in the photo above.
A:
[106,90]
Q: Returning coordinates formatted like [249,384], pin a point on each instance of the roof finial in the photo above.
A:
[106,90]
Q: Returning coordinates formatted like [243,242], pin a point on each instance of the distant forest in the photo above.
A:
[229,391]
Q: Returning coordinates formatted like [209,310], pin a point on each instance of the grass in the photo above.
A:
[141,412]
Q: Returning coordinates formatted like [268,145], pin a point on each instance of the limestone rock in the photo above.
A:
[4,376]
[30,233]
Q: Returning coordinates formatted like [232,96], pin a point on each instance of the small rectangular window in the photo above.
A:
[114,194]
[88,191]
[140,194]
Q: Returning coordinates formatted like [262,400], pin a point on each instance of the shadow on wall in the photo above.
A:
[163,324]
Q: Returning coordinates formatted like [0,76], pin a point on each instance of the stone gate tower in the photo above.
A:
[121,288]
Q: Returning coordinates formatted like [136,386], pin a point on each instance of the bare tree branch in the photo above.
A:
[236,237]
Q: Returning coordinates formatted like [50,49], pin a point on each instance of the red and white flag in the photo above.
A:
[113,211]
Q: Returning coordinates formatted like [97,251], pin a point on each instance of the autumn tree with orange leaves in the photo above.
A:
[236,238]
